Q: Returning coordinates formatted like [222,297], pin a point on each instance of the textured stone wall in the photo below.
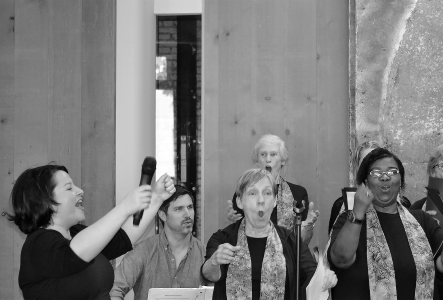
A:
[399,80]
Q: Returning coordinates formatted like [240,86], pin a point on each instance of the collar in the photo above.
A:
[165,243]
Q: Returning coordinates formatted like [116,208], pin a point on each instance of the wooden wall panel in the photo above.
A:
[270,78]
[235,102]
[301,92]
[31,89]
[332,105]
[7,253]
[210,145]
[57,103]
[64,48]
[98,107]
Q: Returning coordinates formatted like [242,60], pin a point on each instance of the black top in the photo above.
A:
[335,210]
[419,204]
[404,265]
[257,247]
[289,243]
[49,268]
[298,192]
[355,280]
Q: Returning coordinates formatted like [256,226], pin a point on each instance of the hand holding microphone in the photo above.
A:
[162,190]
[148,169]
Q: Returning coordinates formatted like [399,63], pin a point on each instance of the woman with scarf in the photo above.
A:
[360,152]
[380,250]
[270,154]
[255,258]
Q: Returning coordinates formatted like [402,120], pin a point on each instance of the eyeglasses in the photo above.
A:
[440,166]
[378,173]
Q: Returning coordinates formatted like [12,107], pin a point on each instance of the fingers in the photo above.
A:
[431,212]
[329,281]
[230,203]
[142,188]
[225,254]
[311,206]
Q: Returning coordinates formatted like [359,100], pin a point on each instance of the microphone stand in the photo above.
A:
[297,230]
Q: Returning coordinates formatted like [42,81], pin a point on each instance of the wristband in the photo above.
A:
[309,227]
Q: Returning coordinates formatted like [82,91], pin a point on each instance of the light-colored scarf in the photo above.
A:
[285,205]
[273,270]
[380,267]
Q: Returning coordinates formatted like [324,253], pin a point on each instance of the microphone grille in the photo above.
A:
[149,165]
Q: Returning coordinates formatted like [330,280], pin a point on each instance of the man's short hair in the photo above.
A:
[179,191]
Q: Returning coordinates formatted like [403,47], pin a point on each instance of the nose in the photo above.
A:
[385,177]
[268,157]
[260,199]
[186,212]
[79,191]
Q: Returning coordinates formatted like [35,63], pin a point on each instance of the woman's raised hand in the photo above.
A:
[362,200]
[163,189]
[311,217]
[232,214]
[138,199]
[224,255]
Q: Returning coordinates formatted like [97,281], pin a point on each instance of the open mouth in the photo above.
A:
[385,188]
[79,204]
[269,169]
[261,214]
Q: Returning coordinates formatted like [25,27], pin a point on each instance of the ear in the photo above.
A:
[283,163]
[239,203]
[162,215]
[275,201]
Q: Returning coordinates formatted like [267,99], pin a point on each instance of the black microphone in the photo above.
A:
[148,170]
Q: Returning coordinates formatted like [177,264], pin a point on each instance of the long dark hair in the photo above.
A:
[32,198]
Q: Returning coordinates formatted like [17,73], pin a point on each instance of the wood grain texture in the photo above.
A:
[31,89]
[98,107]
[332,106]
[51,59]
[268,80]
[7,22]
[210,142]
[64,78]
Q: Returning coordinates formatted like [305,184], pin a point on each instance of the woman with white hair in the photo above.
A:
[270,154]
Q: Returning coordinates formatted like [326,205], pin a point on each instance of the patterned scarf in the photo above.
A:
[380,267]
[285,204]
[273,271]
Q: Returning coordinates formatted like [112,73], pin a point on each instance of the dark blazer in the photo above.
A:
[289,243]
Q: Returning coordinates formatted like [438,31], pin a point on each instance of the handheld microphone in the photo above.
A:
[148,170]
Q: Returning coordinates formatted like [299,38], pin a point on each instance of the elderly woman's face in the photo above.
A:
[384,188]
[269,159]
[258,202]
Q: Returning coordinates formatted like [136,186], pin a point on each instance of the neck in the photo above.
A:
[391,209]
[65,232]
[258,232]
[177,240]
